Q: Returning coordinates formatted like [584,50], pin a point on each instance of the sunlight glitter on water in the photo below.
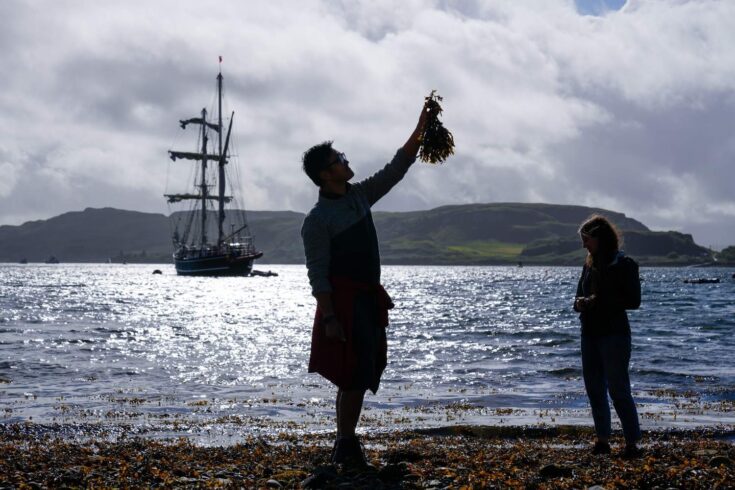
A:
[493,336]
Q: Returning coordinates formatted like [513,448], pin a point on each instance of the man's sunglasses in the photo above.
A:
[341,158]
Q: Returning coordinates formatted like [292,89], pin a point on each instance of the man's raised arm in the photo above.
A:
[383,180]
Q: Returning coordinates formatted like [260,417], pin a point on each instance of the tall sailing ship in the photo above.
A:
[211,211]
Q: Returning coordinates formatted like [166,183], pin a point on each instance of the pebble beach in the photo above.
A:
[37,456]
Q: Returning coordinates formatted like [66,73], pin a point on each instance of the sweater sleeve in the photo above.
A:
[315,236]
[383,180]
[579,288]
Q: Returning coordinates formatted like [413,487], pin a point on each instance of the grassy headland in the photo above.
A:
[472,234]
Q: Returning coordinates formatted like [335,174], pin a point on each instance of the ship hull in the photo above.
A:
[217,265]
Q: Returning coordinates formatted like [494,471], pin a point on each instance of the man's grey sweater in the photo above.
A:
[338,233]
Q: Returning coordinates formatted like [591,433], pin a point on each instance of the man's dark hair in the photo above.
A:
[316,159]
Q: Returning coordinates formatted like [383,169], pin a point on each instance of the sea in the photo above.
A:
[116,350]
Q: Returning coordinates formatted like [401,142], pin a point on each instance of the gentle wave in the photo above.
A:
[100,329]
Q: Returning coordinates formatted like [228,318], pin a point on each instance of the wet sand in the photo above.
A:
[39,456]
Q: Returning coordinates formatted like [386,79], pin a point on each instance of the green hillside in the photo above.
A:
[495,233]
[499,233]
[92,235]
[727,256]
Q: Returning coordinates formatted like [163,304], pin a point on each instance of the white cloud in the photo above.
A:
[9,171]
[630,110]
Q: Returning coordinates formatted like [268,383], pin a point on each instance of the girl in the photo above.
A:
[608,286]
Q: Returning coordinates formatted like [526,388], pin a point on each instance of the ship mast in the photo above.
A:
[203,185]
[203,157]
[221,163]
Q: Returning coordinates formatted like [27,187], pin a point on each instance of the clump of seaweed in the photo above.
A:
[437,143]
[443,457]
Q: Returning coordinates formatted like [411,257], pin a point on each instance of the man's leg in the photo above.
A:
[349,406]
[347,449]
[336,411]
[333,458]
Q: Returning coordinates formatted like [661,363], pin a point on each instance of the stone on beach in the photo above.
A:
[459,456]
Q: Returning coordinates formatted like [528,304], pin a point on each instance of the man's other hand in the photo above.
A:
[333,330]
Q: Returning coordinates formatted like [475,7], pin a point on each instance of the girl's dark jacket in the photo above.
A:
[616,287]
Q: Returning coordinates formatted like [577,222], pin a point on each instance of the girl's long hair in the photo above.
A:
[609,239]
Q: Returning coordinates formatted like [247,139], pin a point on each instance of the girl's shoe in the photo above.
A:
[601,448]
[632,451]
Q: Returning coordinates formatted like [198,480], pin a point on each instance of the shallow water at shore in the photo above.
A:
[114,344]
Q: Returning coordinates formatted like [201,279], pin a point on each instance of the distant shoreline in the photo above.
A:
[472,234]
[708,265]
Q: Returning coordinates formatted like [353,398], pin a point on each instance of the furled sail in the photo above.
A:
[191,155]
[198,120]
[182,197]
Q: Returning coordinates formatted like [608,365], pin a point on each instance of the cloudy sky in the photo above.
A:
[628,106]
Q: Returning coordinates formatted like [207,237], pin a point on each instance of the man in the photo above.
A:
[348,339]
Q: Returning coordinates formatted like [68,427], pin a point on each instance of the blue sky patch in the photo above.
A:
[598,7]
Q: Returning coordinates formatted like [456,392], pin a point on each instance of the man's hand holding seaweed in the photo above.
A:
[437,143]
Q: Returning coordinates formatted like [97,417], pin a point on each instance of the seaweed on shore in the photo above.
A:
[465,458]
[437,142]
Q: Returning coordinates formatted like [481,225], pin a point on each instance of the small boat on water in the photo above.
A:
[24,260]
[52,260]
[196,250]
[702,280]
[263,273]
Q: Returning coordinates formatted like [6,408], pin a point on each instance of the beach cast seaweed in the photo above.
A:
[437,142]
